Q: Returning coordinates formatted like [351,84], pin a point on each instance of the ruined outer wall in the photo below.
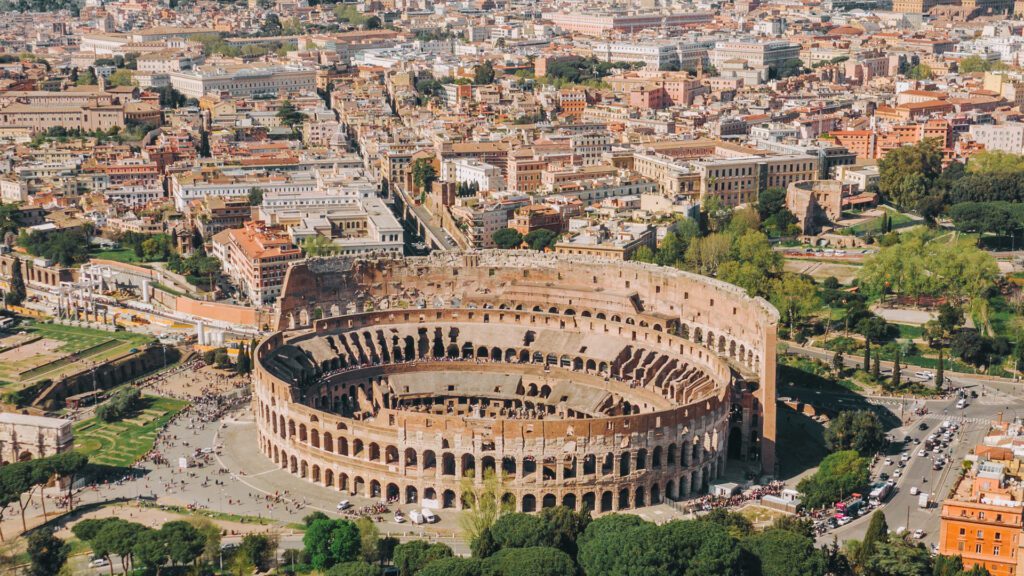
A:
[606,463]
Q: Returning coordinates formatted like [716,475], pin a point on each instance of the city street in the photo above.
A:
[902,509]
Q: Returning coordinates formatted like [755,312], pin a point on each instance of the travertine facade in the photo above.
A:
[585,382]
[24,437]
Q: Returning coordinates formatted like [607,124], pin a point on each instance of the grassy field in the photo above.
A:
[875,224]
[33,363]
[909,332]
[122,443]
[126,255]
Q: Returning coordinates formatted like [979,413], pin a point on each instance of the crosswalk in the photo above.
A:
[959,418]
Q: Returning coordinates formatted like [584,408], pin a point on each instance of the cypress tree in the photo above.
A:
[897,376]
[878,532]
[17,293]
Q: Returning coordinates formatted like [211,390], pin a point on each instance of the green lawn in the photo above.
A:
[126,255]
[909,332]
[899,220]
[122,443]
[30,362]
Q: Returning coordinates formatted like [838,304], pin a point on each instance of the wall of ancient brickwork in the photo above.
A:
[631,460]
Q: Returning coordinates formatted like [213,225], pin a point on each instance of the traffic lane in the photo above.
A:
[902,508]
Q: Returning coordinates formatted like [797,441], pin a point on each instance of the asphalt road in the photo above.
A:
[902,509]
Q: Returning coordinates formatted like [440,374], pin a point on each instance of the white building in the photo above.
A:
[243,80]
[755,54]
[470,170]
[1007,137]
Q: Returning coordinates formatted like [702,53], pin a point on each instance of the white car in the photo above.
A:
[99,563]
[924,375]
[888,461]
[914,491]
[897,473]
[921,453]
[344,505]
[918,534]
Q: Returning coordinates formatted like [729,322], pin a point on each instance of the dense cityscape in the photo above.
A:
[512,288]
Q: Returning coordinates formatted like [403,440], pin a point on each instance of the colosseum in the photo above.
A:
[579,381]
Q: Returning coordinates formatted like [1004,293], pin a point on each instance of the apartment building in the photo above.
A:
[525,171]
[735,174]
[615,241]
[255,259]
[362,228]
[1008,137]
[211,214]
[534,217]
[982,521]
[40,117]
[485,176]
[189,186]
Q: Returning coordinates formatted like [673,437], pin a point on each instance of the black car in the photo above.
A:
[883,476]
[922,426]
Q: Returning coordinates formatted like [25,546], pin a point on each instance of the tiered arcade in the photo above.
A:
[582,382]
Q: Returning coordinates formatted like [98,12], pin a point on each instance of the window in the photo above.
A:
[977,548]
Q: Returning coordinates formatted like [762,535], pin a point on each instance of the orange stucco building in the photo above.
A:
[982,521]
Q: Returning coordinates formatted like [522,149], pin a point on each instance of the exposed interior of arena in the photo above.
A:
[572,380]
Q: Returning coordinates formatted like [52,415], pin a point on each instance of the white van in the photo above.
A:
[428,516]
[415,517]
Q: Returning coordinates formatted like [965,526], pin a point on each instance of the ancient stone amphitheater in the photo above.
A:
[580,382]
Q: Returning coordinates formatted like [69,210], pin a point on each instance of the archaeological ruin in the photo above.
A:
[578,381]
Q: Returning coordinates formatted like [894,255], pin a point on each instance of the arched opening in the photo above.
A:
[411,496]
[606,501]
[549,501]
[448,464]
[374,489]
[639,501]
[569,501]
[624,499]
[448,499]
[392,493]
[529,503]
[655,495]
[624,464]
[410,458]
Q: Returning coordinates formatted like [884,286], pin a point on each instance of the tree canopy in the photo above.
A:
[838,475]
[907,173]
[920,265]
[859,430]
